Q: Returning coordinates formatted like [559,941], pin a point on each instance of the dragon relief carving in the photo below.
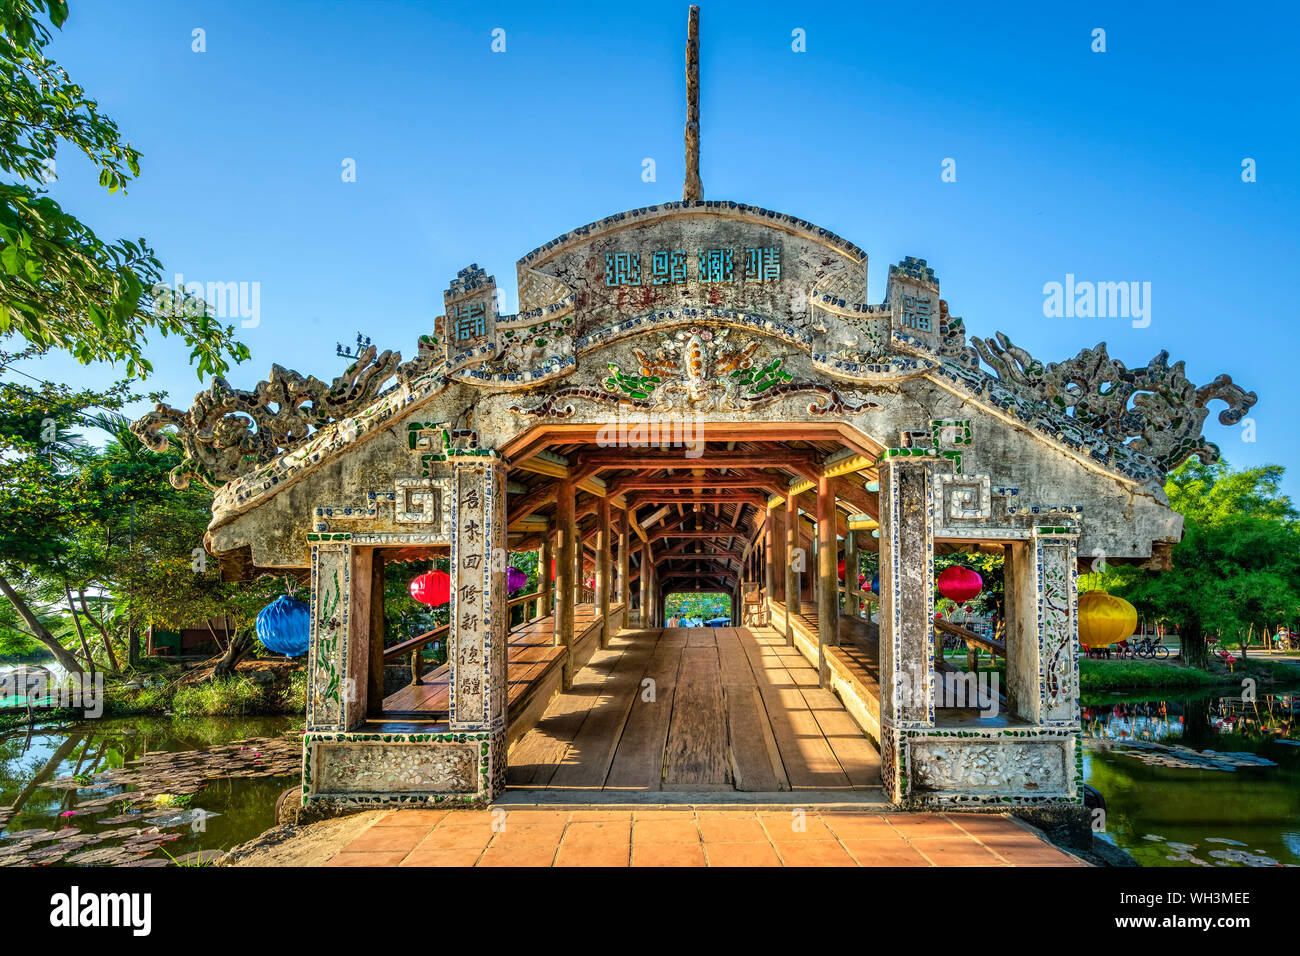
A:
[229,431]
[1152,411]
[699,369]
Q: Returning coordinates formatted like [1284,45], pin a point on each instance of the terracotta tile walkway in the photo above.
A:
[695,837]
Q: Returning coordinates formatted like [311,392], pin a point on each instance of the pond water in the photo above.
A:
[1191,780]
[143,791]
[1198,779]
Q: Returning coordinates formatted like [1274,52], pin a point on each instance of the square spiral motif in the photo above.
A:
[420,501]
[966,497]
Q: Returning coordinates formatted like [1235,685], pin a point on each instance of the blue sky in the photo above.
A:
[1115,166]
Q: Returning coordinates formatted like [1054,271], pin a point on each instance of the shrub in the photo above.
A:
[1118,675]
[295,695]
[230,696]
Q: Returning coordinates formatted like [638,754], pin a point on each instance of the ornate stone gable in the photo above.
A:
[706,307]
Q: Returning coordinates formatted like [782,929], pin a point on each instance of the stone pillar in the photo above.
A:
[603,542]
[1043,629]
[545,576]
[565,532]
[828,615]
[906,610]
[793,557]
[479,611]
[339,635]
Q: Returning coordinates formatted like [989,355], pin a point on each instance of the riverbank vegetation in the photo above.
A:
[1173,675]
[258,688]
[1235,573]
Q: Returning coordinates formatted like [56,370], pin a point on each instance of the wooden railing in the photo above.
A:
[415,648]
[974,642]
[535,599]
[854,601]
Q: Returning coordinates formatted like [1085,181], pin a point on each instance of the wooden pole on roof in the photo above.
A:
[693,188]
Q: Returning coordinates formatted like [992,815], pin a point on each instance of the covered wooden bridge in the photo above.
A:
[693,396]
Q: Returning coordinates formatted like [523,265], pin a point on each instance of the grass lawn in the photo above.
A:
[1125,674]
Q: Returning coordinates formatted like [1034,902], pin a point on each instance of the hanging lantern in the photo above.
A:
[841,569]
[515,579]
[284,626]
[589,584]
[875,584]
[1105,619]
[432,588]
[959,584]
[552,569]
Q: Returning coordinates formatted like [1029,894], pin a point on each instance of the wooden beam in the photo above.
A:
[624,540]
[791,573]
[730,531]
[828,615]
[641,498]
[566,533]
[606,458]
[603,603]
[545,574]
[846,489]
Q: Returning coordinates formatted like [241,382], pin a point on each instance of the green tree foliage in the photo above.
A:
[61,286]
[702,607]
[100,534]
[43,499]
[1235,569]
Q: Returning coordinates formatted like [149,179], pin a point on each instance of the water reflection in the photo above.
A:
[140,791]
[1198,779]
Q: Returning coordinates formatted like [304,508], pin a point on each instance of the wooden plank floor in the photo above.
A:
[695,709]
[531,653]
[858,650]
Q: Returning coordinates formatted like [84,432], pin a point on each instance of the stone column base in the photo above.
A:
[999,767]
[363,769]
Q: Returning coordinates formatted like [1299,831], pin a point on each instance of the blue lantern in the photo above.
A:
[284,626]
[875,584]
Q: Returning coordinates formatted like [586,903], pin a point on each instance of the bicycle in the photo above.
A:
[1150,649]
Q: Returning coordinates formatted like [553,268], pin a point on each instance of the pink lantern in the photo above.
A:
[959,584]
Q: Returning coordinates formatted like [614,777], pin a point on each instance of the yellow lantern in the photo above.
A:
[1105,619]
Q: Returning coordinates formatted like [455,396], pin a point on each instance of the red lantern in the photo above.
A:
[841,569]
[959,584]
[432,588]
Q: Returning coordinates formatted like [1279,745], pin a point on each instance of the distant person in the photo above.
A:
[673,621]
